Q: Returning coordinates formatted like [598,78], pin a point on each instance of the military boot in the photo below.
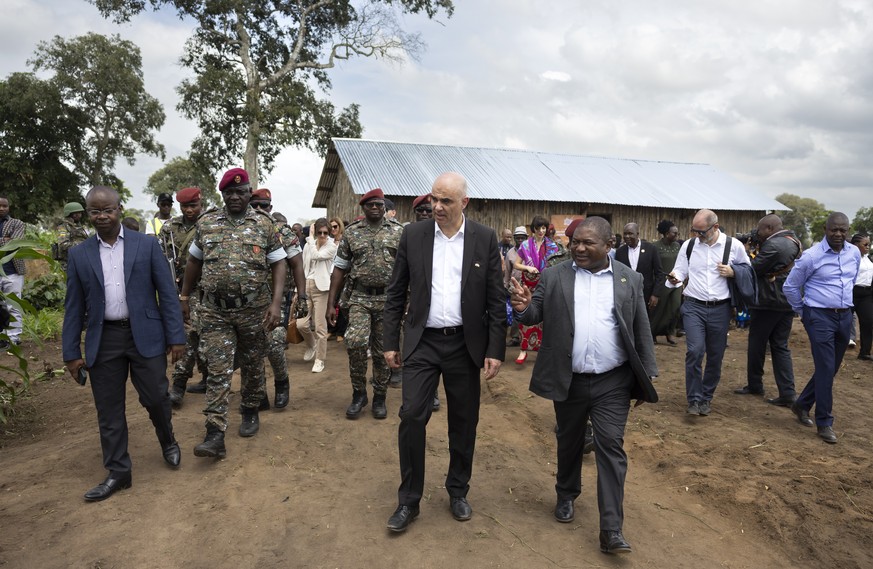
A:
[250,423]
[380,411]
[264,405]
[213,445]
[199,387]
[359,401]
[177,392]
[283,389]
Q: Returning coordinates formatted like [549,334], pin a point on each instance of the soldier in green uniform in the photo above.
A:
[238,259]
[366,255]
[176,236]
[262,200]
[71,232]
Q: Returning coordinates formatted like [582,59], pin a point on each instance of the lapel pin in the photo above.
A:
[642,250]
[476,265]
[624,280]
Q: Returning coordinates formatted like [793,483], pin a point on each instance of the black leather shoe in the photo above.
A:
[868,357]
[176,395]
[613,542]
[250,423]
[747,391]
[827,434]
[783,400]
[461,509]
[172,454]
[112,484]
[283,394]
[199,387]
[213,445]
[379,409]
[565,511]
[359,401]
[704,408]
[402,517]
[802,415]
[396,378]
[693,408]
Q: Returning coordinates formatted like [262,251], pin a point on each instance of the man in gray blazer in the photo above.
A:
[597,355]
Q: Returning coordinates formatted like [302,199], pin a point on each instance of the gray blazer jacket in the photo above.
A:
[552,304]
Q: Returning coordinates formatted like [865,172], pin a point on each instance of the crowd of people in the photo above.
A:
[439,297]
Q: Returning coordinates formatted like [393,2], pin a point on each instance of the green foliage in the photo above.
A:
[181,173]
[43,325]
[257,64]
[37,135]
[47,291]
[806,217]
[863,222]
[100,81]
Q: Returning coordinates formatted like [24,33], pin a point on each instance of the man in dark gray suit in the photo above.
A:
[597,355]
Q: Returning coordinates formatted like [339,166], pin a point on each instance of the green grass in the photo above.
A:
[43,325]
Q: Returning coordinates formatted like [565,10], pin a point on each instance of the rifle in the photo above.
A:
[170,254]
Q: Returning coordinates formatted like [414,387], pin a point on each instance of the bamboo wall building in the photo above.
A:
[509,187]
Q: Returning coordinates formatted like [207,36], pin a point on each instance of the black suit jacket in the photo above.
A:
[483,298]
[552,304]
[648,265]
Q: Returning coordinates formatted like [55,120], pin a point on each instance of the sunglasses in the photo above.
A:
[421,209]
[323,233]
[374,204]
[334,226]
[703,232]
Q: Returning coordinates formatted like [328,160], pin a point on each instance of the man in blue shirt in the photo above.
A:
[819,288]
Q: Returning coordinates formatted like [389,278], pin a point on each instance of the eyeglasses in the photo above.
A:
[703,232]
[422,209]
[332,226]
[104,211]
[323,233]
[374,204]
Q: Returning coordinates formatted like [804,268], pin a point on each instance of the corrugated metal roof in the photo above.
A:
[409,169]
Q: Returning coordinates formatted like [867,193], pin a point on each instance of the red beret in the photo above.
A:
[572,228]
[262,193]
[420,200]
[233,178]
[372,195]
[188,195]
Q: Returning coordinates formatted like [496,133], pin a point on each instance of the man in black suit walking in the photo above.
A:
[642,257]
[456,325]
[593,311]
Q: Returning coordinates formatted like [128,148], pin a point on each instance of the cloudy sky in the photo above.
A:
[775,93]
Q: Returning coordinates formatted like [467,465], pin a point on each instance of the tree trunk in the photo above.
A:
[250,158]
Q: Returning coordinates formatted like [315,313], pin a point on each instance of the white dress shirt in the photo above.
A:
[114,291]
[445,288]
[597,344]
[704,281]
[633,255]
[865,272]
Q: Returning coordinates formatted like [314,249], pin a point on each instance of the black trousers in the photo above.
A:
[116,359]
[862,298]
[447,355]
[605,398]
[771,327]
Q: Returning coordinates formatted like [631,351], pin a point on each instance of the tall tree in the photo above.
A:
[863,222]
[36,135]
[181,173]
[257,64]
[806,217]
[100,79]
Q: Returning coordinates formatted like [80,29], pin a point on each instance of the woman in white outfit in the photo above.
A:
[317,264]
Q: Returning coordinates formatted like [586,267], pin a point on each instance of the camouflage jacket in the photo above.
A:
[176,238]
[69,235]
[237,255]
[368,252]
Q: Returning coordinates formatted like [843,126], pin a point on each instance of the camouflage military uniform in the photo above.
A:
[276,341]
[235,285]
[176,238]
[368,254]
[69,235]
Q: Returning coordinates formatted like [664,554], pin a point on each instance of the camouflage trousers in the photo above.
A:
[276,349]
[184,368]
[227,336]
[365,331]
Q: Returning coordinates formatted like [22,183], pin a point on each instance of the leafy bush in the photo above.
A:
[47,291]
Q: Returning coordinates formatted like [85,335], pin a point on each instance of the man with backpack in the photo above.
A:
[706,262]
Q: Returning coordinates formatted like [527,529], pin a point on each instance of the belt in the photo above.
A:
[450,331]
[837,310]
[228,302]
[707,302]
[124,323]
[372,290]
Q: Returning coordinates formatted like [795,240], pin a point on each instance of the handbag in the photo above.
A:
[292,334]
